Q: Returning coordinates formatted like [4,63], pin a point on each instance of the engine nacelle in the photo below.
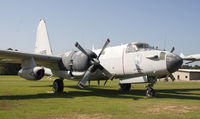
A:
[77,61]
[35,73]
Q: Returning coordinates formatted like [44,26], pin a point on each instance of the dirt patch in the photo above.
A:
[4,107]
[93,116]
[168,109]
[85,116]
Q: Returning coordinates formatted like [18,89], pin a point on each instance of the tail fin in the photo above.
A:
[42,45]
[182,55]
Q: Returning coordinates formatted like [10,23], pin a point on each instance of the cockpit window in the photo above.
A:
[143,46]
[134,47]
[130,48]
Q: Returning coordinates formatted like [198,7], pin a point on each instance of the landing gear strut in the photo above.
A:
[125,87]
[58,86]
[150,91]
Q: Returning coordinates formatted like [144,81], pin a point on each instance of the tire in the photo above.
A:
[58,86]
[150,92]
[125,87]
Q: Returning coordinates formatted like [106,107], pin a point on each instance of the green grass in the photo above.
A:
[31,100]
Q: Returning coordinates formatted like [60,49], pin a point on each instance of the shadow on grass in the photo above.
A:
[110,93]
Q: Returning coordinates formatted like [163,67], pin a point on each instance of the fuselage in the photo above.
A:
[133,60]
[126,62]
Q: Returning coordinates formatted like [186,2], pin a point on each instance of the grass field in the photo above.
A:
[33,100]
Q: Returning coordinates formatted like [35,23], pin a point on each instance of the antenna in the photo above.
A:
[165,40]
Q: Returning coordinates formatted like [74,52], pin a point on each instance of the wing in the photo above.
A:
[189,58]
[49,61]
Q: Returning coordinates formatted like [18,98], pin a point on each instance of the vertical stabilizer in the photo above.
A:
[42,45]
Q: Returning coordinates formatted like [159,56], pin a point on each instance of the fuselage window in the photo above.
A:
[162,55]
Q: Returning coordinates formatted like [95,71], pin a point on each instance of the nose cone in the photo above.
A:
[173,62]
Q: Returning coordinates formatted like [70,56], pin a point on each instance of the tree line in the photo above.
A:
[190,67]
[9,69]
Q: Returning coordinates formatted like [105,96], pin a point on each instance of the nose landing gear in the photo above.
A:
[150,92]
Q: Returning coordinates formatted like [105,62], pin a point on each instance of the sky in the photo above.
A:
[162,23]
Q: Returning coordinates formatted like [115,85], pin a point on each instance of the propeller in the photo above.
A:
[172,77]
[95,64]
[172,50]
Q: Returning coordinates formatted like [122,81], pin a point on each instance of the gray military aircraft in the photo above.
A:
[131,63]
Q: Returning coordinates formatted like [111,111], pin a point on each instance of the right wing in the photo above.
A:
[49,61]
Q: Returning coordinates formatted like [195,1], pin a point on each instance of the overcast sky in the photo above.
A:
[162,23]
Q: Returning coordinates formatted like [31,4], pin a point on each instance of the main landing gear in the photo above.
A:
[58,86]
[150,91]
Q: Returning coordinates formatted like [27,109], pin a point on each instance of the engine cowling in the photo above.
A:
[35,73]
[77,61]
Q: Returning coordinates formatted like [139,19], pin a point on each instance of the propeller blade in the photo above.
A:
[98,82]
[105,45]
[172,77]
[172,50]
[82,50]
[85,77]
[105,82]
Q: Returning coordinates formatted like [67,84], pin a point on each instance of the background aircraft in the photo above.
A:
[131,63]
[190,58]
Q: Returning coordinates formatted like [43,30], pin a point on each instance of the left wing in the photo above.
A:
[49,61]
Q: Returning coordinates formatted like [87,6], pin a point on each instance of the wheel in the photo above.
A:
[125,87]
[150,92]
[58,86]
